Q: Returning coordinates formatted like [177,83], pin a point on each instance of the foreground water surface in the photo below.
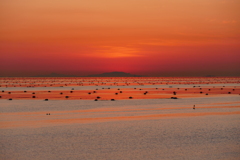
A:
[123,129]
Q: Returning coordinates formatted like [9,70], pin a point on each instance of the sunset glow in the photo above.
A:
[144,37]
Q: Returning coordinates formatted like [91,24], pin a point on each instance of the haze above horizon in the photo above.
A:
[144,37]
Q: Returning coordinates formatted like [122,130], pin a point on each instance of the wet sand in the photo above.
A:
[148,126]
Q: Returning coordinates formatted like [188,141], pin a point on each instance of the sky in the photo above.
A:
[144,37]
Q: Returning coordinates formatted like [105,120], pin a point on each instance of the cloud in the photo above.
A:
[116,52]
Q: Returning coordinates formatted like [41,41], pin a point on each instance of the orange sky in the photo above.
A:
[146,37]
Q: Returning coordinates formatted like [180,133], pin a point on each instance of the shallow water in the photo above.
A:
[68,88]
[208,137]
[66,105]
[142,129]
[124,130]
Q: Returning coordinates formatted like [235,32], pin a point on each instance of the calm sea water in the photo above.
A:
[209,137]
[203,137]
